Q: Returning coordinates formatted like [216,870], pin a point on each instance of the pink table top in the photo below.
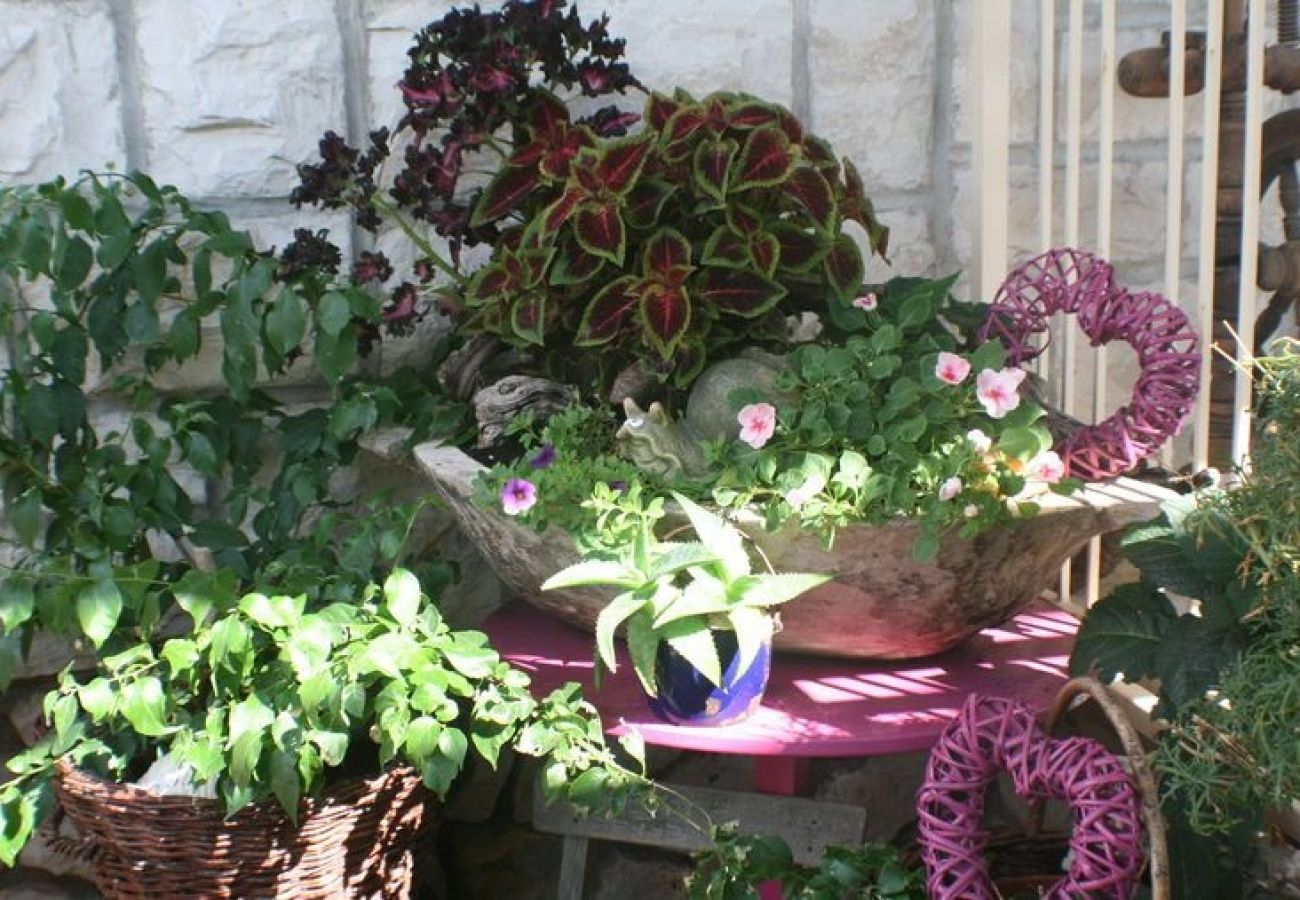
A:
[813,707]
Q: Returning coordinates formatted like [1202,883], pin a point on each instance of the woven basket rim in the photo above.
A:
[81,781]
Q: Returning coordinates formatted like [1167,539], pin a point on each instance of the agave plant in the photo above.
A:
[705,228]
[681,593]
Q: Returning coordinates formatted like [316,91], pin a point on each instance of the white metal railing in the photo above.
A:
[991,86]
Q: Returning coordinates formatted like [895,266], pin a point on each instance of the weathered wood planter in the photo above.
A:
[882,604]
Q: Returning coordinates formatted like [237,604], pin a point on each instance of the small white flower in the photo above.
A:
[803,493]
[979,440]
[867,302]
[971,511]
[1013,507]
[950,488]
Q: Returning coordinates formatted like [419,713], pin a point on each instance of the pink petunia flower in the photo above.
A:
[950,488]
[951,368]
[998,390]
[518,496]
[867,302]
[810,488]
[1047,466]
[757,423]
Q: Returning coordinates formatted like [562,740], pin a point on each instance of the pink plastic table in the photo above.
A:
[814,707]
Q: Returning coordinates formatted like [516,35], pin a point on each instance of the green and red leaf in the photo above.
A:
[621,162]
[766,159]
[753,114]
[801,248]
[813,193]
[558,213]
[683,124]
[743,220]
[711,165]
[645,201]
[856,207]
[548,118]
[488,283]
[844,268]
[528,155]
[765,251]
[575,266]
[599,229]
[740,292]
[659,109]
[665,315]
[528,317]
[608,310]
[666,251]
[817,151]
[727,249]
[505,193]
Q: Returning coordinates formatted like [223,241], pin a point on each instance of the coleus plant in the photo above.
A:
[705,228]
[474,79]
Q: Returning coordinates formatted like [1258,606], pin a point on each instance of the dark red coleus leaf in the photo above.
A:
[528,317]
[599,229]
[489,282]
[645,201]
[817,151]
[766,159]
[726,248]
[533,264]
[753,114]
[813,192]
[558,213]
[666,252]
[665,315]
[743,220]
[659,109]
[548,118]
[557,160]
[858,208]
[621,162]
[741,292]
[608,310]
[528,155]
[575,266]
[765,251]
[844,268]
[801,248]
[712,163]
[676,135]
[506,191]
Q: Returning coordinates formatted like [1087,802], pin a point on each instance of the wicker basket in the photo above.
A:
[359,840]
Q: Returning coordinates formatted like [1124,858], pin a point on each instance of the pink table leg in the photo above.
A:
[783,776]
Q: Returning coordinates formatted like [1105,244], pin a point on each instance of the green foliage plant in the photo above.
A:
[736,864]
[679,594]
[269,698]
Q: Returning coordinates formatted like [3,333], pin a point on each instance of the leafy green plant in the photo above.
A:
[109,288]
[691,237]
[736,864]
[680,593]
[268,697]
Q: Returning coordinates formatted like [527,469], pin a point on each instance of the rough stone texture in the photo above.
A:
[873,87]
[240,136]
[60,94]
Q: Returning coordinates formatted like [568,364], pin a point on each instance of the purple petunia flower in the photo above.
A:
[518,496]
[545,457]
[617,487]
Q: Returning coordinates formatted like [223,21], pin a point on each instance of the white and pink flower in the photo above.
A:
[1046,466]
[951,368]
[950,488]
[999,391]
[979,440]
[867,302]
[810,488]
[518,496]
[757,423]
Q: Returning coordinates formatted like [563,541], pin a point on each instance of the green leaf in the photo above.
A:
[926,547]
[99,605]
[593,572]
[286,322]
[17,822]
[715,533]
[1166,558]
[333,314]
[1189,660]
[453,745]
[1024,443]
[402,596]
[1121,633]
[643,646]
[335,355]
[273,612]
[98,698]
[198,593]
[285,783]
[774,589]
[17,600]
[76,211]
[218,535]
[143,705]
[753,629]
[608,621]
[181,655]
[25,516]
[693,641]
[680,556]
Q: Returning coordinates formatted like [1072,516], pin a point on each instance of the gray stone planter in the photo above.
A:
[882,604]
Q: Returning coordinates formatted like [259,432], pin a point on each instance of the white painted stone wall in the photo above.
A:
[223,97]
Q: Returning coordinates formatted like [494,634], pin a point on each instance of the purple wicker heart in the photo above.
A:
[993,734]
[1083,285]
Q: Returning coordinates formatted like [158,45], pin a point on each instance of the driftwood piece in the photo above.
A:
[497,405]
